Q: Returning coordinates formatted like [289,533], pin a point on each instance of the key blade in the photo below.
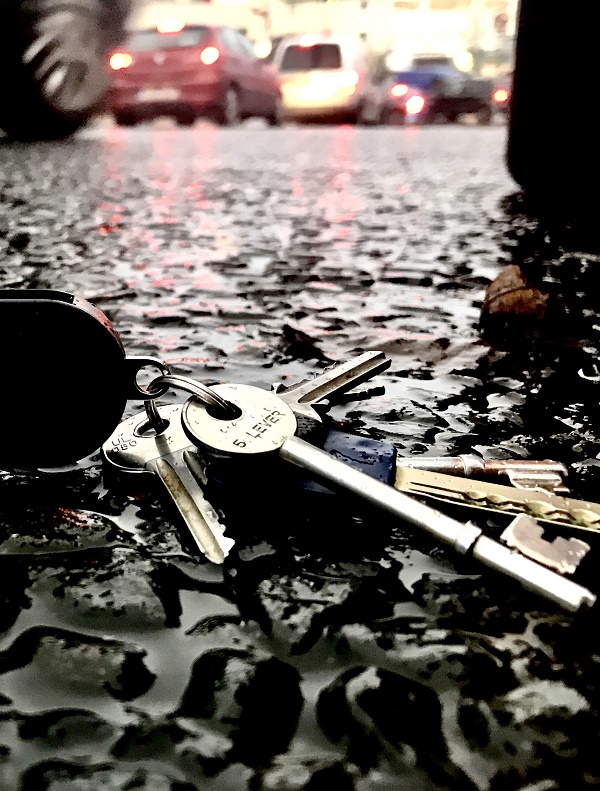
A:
[466,538]
[335,380]
[541,478]
[544,505]
[522,474]
[561,554]
[198,514]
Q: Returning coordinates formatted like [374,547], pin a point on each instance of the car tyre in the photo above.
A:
[393,117]
[357,118]
[276,118]
[484,116]
[186,119]
[229,112]
[55,52]
[125,119]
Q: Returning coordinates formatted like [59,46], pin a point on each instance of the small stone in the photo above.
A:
[117,589]
[370,709]
[75,664]
[255,701]
[18,240]
[296,611]
[303,773]
[55,775]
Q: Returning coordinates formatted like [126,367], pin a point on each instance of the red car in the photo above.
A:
[192,71]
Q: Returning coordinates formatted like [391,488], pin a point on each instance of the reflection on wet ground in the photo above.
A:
[335,649]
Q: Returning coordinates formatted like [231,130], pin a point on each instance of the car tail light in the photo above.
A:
[209,55]
[348,78]
[120,60]
[415,105]
[399,89]
[500,96]
[170,25]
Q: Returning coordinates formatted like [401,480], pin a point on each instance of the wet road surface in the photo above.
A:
[335,649]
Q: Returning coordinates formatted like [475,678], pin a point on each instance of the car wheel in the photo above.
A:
[484,116]
[55,52]
[393,117]
[125,119]
[186,119]
[357,117]
[277,116]
[229,113]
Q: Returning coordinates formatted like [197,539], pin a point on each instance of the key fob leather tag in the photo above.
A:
[65,379]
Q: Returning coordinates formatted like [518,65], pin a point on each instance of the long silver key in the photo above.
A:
[266,425]
[171,456]
[337,379]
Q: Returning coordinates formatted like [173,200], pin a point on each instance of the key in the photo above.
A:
[540,503]
[63,361]
[303,397]
[378,459]
[561,554]
[523,474]
[265,426]
[133,449]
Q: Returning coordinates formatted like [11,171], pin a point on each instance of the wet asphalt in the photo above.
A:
[335,648]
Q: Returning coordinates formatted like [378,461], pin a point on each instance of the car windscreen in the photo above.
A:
[151,39]
[319,56]
[421,80]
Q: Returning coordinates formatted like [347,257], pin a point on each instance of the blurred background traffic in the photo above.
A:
[339,61]
[357,61]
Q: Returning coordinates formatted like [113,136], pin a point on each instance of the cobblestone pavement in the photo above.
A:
[335,649]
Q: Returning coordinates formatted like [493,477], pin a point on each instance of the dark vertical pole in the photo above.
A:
[553,147]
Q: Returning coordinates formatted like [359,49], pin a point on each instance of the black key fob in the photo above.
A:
[66,379]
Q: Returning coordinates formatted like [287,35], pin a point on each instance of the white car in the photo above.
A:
[326,78]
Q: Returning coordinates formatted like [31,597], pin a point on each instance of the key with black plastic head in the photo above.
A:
[66,378]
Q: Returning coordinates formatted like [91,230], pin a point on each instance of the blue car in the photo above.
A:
[449,93]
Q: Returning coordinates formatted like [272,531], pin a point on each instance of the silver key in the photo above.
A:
[171,456]
[340,378]
[266,425]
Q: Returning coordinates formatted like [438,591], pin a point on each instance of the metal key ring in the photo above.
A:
[204,393]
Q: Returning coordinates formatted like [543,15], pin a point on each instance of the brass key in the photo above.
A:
[539,503]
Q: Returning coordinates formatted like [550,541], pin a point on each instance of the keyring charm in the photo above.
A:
[197,389]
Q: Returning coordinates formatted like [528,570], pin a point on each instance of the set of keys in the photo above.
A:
[250,426]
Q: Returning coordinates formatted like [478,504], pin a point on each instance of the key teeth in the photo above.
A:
[211,517]
[218,529]
[526,536]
